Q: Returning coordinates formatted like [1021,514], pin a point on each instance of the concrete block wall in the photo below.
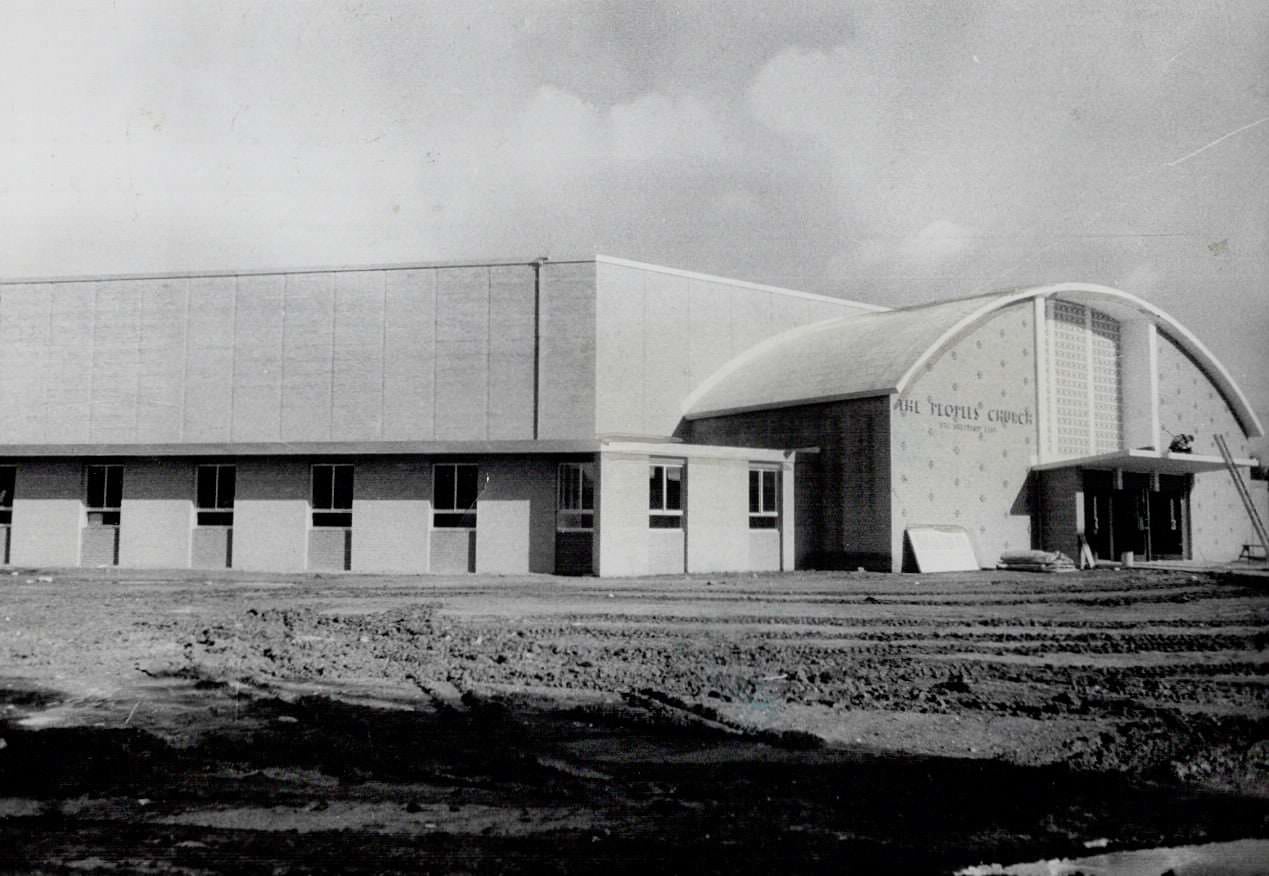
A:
[715,536]
[567,351]
[662,332]
[392,514]
[516,516]
[965,436]
[445,353]
[1219,524]
[1190,403]
[392,518]
[48,514]
[621,515]
[718,512]
[157,514]
[841,496]
[272,515]
[212,547]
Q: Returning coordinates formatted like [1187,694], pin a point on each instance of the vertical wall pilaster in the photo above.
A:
[157,515]
[48,514]
[1140,382]
[621,534]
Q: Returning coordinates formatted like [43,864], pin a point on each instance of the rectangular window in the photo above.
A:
[214,492]
[665,496]
[332,495]
[576,503]
[104,494]
[764,498]
[8,477]
[455,489]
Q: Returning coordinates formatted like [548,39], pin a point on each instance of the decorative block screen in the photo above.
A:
[1085,381]
[1069,363]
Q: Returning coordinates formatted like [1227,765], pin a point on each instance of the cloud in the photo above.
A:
[836,98]
[558,130]
[937,243]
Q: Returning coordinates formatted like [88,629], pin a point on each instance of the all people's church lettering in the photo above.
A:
[956,415]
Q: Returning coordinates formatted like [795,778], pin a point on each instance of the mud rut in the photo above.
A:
[852,723]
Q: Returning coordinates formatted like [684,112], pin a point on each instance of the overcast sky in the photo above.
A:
[890,152]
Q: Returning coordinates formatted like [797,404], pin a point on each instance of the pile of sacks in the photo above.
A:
[1036,561]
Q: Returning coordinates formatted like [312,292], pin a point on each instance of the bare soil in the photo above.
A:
[178,723]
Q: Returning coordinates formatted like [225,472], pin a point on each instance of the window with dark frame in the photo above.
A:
[764,498]
[8,477]
[214,493]
[104,494]
[332,495]
[575,508]
[665,496]
[455,489]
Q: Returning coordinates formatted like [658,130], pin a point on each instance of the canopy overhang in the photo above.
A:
[1145,462]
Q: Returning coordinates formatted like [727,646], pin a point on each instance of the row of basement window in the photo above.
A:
[456,491]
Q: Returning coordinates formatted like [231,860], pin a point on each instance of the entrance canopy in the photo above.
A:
[1145,462]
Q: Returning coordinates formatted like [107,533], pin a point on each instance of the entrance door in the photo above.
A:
[1169,510]
[1117,520]
[1099,524]
[1099,514]
[1132,517]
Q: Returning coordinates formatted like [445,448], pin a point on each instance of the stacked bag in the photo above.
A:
[1036,561]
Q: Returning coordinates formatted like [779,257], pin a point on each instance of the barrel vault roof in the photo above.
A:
[881,353]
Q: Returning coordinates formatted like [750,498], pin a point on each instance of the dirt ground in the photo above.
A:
[844,722]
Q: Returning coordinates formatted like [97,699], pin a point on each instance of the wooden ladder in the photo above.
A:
[1248,504]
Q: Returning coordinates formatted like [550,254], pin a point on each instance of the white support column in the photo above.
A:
[788,519]
[621,519]
[1140,383]
[1042,417]
[1088,370]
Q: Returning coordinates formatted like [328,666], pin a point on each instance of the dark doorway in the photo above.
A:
[1169,518]
[1145,514]
[1099,515]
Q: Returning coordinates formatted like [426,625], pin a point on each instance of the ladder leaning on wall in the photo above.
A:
[1248,504]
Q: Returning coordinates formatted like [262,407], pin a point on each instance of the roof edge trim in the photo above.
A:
[798,403]
[270,272]
[744,284]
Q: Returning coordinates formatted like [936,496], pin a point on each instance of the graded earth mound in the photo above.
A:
[844,722]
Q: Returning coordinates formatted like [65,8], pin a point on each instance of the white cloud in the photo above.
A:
[937,243]
[557,129]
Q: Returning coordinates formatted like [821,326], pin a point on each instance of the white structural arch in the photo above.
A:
[882,353]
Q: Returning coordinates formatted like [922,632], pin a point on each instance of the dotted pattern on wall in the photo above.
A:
[1086,379]
[964,434]
[1189,403]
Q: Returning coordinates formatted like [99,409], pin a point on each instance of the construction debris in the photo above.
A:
[1035,561]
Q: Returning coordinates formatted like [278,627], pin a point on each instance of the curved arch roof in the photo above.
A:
[880,353]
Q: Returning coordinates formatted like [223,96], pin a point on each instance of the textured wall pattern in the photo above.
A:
[1069,378]
[1189,403]
[843,508]
[432,353]
[661,334]
[1085,378]
[964,434]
